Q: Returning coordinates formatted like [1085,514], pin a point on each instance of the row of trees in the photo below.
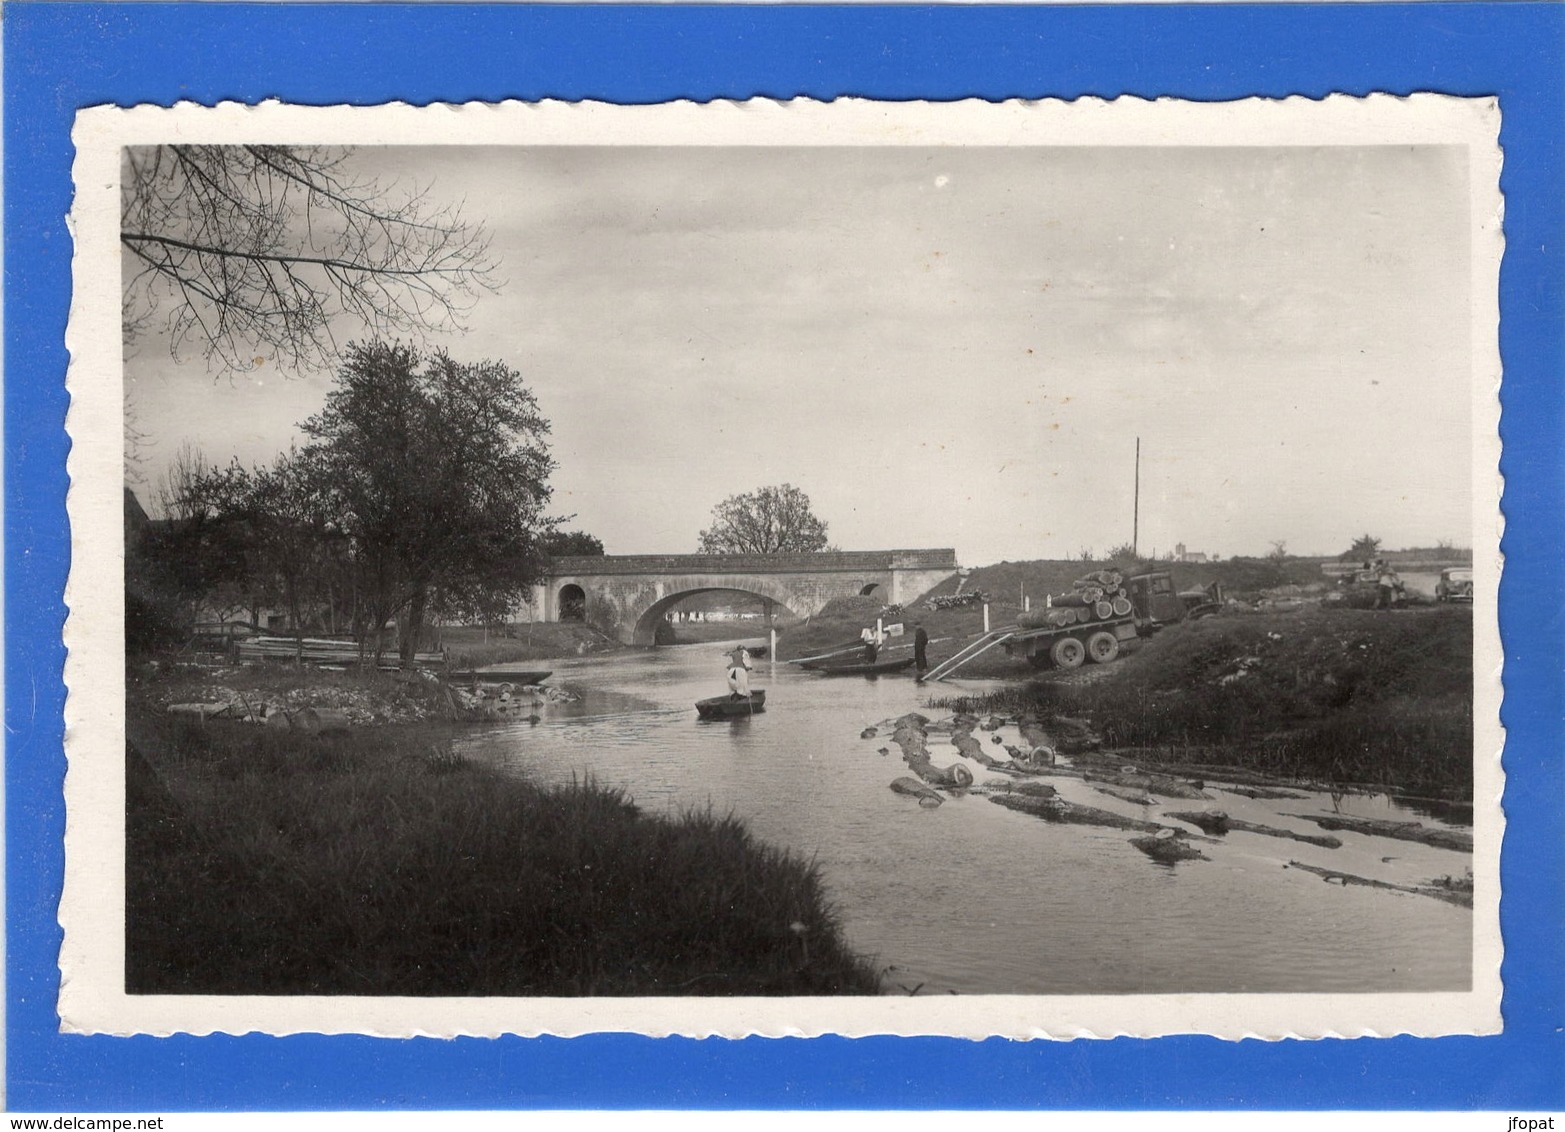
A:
[420,489]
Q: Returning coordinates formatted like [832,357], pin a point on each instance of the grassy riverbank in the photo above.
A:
[470,647]
[377,862]
[1334,696]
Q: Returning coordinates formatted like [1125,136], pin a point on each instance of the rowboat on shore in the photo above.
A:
[875,668]
[727,707]
[520,677]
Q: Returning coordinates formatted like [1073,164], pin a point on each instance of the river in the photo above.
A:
[970,897]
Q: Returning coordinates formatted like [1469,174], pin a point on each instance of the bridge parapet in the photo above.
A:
[832,561]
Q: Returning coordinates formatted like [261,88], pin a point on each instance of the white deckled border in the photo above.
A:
[92,998]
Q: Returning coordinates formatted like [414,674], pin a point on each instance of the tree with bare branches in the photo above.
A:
[264,252]
[769,520]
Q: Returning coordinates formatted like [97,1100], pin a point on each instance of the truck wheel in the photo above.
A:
[1068,652]
[1102,647]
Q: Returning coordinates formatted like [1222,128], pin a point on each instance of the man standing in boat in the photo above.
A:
[739,672]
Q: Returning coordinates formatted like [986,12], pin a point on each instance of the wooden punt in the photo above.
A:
[878,668]
[726,707]
[520,677]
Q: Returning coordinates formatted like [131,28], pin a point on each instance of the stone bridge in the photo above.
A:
[626,595]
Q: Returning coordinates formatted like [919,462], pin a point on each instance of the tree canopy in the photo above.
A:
[560,544]
[437,473]
[421,488]
[769,520]
[1365,547]
[250,250]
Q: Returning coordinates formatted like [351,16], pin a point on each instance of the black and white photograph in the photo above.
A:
[1019,569]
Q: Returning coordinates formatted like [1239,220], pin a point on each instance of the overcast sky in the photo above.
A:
[956,346]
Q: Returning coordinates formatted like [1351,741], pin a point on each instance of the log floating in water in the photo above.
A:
[1150,783]
[1399,830]
[914,788]
[910,737]
[1124,794]
[1450,894]
[1218,822]
[970,748]
[1262,793]
[1058,810]
[1167,850]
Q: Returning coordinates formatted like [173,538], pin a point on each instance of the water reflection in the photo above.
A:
[971,897]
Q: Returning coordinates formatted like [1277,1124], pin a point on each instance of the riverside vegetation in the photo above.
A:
[377,862]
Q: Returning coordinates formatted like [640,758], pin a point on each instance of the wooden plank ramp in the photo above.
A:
[982,645]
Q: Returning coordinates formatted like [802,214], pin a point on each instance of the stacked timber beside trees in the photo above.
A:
[312,650]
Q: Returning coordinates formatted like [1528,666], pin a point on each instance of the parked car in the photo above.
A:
[1455,584]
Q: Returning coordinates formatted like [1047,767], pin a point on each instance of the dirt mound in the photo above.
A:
[1315,659]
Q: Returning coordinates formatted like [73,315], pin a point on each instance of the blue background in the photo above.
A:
[59,57]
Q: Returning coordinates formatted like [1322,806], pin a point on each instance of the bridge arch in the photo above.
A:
[571,601]
[677,590]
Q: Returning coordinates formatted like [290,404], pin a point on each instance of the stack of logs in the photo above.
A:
[1099,596]
[956,601]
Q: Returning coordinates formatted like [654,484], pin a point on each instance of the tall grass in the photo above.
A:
[378,863]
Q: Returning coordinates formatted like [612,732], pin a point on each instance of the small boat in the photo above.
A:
[726,707]
[876,668]
[520,677]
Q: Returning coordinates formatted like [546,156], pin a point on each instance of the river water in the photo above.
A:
[970,897]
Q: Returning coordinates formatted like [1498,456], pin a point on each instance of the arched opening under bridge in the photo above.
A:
[753,615]
[572,602]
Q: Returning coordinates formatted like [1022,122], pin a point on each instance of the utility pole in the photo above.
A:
[1135,520]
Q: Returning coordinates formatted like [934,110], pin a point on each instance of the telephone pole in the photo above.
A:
[1135,520]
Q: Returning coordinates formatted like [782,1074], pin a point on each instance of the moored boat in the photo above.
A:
[875,668]
[727,707]
[519,677]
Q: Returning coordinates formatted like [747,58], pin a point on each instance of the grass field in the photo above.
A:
[378,863]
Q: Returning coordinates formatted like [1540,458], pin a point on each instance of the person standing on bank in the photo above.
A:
[739,672]
[920,647]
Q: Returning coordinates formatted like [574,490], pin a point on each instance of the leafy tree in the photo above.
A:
[286,509]
[1279,550]
[260,248]
[562,544]
[1124,552]
[769,520]
[1364,548]
[436,472]
[198,553]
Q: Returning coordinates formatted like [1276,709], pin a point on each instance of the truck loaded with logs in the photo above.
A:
[1104,610]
